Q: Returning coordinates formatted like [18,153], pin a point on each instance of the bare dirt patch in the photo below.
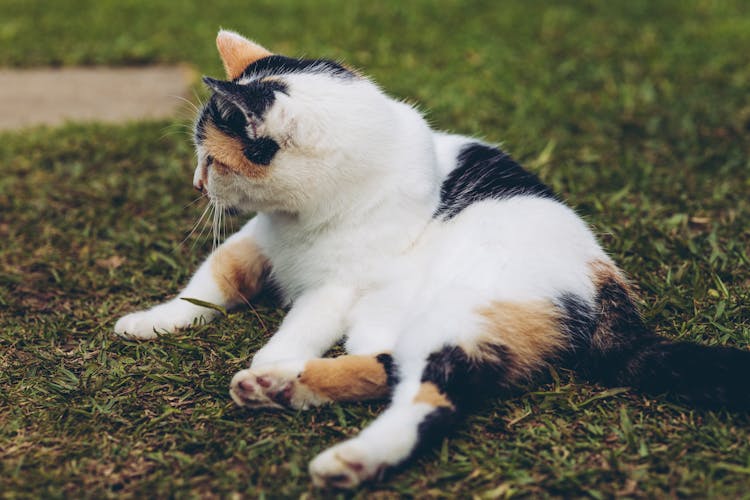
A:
[54,96]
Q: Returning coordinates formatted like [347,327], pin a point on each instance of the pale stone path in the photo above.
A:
[54,96]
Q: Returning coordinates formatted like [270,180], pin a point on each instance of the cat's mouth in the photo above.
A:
[231,211]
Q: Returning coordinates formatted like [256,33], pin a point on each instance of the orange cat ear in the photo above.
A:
[237,52]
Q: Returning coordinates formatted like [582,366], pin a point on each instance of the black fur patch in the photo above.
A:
[464,381]
[618,335]
[229,119]
[714,377]
[279,65]
[435,426]
[232,122]
[391,372]
[449,369]
[578,320]
[260,151]
[485,172]
[253,98]
[226,112]
[619,313]
[624,351]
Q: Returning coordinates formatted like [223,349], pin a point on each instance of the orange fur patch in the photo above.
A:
[430,394]
[529,330]
[228,154]
[239,268]
[346,378]
[237,53]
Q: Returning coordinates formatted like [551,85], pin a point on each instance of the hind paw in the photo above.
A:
[345,465]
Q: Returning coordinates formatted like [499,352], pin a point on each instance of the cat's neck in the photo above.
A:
[377,210]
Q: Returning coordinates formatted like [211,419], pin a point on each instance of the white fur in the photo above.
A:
[345,217]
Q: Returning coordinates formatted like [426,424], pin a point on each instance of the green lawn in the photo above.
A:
[638,112]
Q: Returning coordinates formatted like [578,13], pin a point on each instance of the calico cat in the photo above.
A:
[448,268]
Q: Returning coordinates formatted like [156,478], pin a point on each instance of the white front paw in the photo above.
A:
[345,465]
[164,318]
[274,386]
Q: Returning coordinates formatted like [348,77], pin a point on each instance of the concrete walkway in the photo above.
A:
[55,96]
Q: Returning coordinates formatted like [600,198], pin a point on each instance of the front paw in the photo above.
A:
[345,465]
[274,386]
[161,319]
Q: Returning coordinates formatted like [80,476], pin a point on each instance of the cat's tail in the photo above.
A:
[624,352]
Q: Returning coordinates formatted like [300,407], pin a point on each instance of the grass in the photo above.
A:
[638,112]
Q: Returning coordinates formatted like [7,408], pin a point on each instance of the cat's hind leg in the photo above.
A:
[232,274]
[421,411]
[304,384]
[509,343]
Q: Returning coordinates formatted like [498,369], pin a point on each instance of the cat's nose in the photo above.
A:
[200,177]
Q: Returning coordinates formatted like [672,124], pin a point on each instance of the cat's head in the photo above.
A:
[281,133]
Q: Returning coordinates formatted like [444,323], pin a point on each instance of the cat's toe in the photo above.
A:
[140,325]
[273,386]
[254,390]
[343,466]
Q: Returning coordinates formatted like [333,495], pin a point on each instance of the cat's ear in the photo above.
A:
[230,91]
[237,52]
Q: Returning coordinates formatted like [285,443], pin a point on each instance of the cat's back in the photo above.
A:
[498,225]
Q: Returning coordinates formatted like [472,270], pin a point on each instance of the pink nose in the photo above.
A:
[199,186]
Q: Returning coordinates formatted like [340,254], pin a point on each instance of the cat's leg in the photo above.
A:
[313,325]
[425,405]
[232,274]
[304,384]
[364,373]
[441,375]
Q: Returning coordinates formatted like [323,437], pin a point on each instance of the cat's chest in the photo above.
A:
[359,254]
[302,262]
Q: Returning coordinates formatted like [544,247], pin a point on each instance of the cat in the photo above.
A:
[449,269]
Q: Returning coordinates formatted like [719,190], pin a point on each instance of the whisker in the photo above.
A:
[177,129]
[204,226]
[201,102]
[222,232]
[187,101]
[218,237]
[218,227]
[195,226]
[199,198]
[217,214]
[231,224]
[222,227]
